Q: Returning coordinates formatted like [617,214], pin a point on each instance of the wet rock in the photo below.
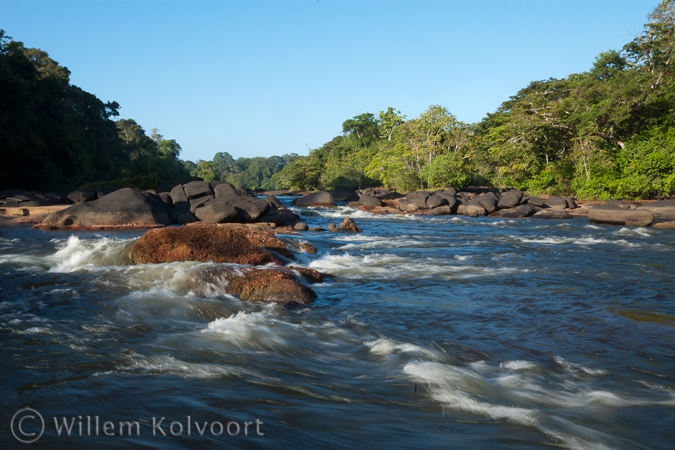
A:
[280,217]
[510,199]
[315,199]
[344,194]
[620,216]
[668,225]
[207,243]
[300,226]
[124,207]
[488,201]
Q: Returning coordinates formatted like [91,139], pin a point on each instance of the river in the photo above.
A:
[436,333]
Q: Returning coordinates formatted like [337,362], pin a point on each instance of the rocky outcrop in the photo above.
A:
[122,208]
[369,200]
[662,209]
[517,212]
[550,213]
[510,199]
[615,215]
[556,203]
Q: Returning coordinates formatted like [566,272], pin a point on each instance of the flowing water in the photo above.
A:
[444,332]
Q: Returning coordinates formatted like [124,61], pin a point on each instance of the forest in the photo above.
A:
[605,133]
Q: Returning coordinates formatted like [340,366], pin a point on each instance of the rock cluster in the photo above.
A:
[18,198]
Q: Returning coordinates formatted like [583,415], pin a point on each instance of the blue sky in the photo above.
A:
[262,78]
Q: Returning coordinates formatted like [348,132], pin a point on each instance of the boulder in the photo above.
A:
[124,207]
[419,198]
[196,189]
[347,225]
[217,211]
[273,202]
[300,226]
[252,210]
[199,201]
[166,198]
[489,201]
[368,200]
[556,203]
[180,200]
[232,193]
[344,194]
[269,285]
[474,208]
[450,191]
[571,204]
[280,217]
[438,211]
[536,201]
[620,216]
[662,209]
[435,200]
[219,244]
[550,213]
[510,199]
[517,212]
[315,199]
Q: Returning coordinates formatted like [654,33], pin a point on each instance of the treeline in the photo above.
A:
[54,135]
[605,133]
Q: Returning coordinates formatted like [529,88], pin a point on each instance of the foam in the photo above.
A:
[386,347]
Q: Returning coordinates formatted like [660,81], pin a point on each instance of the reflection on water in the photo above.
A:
[443,332]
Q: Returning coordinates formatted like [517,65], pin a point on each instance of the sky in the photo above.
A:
[271,77]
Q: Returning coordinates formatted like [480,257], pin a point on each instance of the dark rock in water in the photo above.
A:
[199,201]
[180,200]
[517,212]
[332,227]
[270,286]
[102,191]
[280,217]
[219,244]
[438,211]
[489,201]
[315,199]
[217,211]
[344,194]
[556,203]
[196,189]
[310,275]
[124,207]
[473,208]
[82,196]
[550,213]
[301,226]
[273,201]
[435,200]
[571,204]
[510,199]
[368,200]
[662,209]
[620,216]
[536,201]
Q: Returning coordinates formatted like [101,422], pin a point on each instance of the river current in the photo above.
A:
[437,332]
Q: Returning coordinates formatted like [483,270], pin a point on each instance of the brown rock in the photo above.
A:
[270,286]
[207,243]
[620,216]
